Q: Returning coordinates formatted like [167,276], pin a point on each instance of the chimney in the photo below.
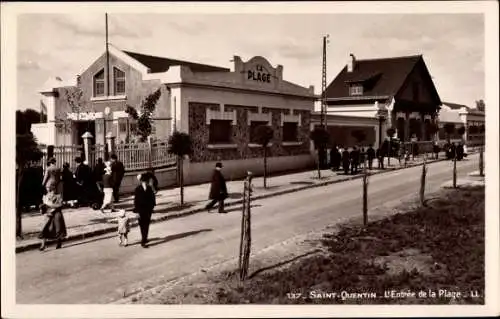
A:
[78,80]
[351,63]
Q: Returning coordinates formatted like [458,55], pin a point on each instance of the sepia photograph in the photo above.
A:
[259,154]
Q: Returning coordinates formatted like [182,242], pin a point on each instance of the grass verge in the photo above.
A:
[437,250]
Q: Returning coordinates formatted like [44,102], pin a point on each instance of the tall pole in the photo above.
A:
[107,57]
[323,87]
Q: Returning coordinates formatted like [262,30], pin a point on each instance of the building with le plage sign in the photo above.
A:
[219,108]
[372,95]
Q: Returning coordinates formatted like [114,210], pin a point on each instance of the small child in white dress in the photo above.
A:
[123,227]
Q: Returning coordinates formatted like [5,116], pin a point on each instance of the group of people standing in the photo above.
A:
[86,185]
[351,160]
[61,187]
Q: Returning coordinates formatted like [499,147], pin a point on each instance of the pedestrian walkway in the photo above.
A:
[85,222]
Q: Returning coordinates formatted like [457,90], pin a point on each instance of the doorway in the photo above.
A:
[84,126]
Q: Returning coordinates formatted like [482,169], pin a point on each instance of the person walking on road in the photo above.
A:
[144,203]
[107,183]
[118,171]
[218,190]
[370,154]
[55,227]
[123,227]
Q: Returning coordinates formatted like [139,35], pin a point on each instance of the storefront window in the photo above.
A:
[220,132]
[290,132]
[253,128]
[119,81]
[99,84]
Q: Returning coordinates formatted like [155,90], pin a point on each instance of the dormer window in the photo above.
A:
[99,83]
[356,89]
[118,81]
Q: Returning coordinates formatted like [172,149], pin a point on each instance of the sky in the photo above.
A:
[64,45]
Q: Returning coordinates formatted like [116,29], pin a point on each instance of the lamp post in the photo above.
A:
[107,111]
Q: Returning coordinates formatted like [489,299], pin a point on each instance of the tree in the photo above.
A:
[263,136]
[480,105]
[144,120]
[320,138]
[180,144]
[449,128]
[390,132]
[26,151]
[461,131]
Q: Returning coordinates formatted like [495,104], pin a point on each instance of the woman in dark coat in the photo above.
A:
[70,190]
[55,227]
[218,190]
[144,203]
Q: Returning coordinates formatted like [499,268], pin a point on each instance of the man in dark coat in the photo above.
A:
[117,173]
[345,161]
[218,190]
[98,173]
[335,158]
[83,177]
[144,203]
[370,154]
[435,148]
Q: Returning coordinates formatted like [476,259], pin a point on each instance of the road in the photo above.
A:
[99,271]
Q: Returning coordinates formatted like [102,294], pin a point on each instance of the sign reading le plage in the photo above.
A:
[259,74]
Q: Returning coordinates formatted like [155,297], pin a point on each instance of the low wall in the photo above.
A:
[197,173]
[167,177]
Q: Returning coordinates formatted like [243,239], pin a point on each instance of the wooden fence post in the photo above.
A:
[481,161]
[455,169]
[246,238]
[422,182]
[365,195]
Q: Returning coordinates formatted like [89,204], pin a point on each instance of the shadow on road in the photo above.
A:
[158,241]
[258,271]
[234,195]
[239,208]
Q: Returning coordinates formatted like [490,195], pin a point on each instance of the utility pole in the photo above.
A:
[323,87]
[107,58]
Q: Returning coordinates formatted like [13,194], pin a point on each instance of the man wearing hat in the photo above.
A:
[218,190]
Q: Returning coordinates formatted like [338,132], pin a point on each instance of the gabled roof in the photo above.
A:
[159,64]
[388,74]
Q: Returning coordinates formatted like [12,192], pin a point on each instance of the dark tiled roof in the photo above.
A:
[455,106]
[159,64]
[387,76]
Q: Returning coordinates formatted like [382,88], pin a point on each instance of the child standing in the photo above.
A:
[123,227]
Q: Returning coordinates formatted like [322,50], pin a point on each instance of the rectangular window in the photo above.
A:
[356,89]
[122,126]
[253,129]
[99,84]
[290,132]
[119,81]
[220,132]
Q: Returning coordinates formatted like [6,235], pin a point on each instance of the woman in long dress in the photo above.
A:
[55,227]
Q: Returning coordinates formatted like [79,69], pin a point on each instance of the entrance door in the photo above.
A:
[82,127]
